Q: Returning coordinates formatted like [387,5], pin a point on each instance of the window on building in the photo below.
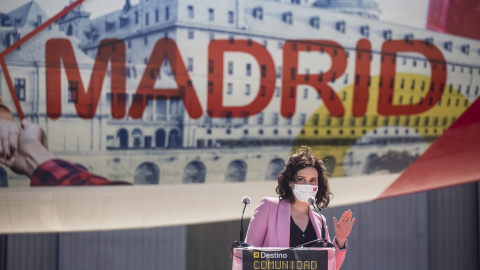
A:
[275,118]
[157,17]
[146,19]
[305,93]
[190,64]
[258,13]
[365,30]
[20,88]
[190,12]
[211,14]
[72,91]
[248,69]
[175,106]
[231,17]
[109,26]
[229,88]
[260,118]
[167,13]
[230,68]
[190,34]
[315,22]
[136,17]
[303,118]
[211,36]
[161,108]
[341,26]
[287,17]
[247,89]
[70,30]
[145,40]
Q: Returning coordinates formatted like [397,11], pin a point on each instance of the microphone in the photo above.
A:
[246,201]
[323,242]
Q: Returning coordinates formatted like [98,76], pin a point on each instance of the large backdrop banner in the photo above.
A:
[168,92]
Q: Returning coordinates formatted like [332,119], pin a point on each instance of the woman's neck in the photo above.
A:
[300,207]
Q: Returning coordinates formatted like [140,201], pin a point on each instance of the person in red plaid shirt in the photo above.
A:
[26,152]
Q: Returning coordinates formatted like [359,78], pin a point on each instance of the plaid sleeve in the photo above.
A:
[58,172]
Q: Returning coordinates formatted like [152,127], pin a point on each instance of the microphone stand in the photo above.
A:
[241,243]
[323,242]
[242,238]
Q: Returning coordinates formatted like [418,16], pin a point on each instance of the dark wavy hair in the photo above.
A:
[301,159]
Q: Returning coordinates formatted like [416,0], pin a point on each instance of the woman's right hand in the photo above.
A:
[9,136]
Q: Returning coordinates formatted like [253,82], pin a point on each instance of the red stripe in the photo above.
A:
[452,159]
[23,40]
[12,89]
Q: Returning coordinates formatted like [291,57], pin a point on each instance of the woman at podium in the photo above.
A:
[288,221]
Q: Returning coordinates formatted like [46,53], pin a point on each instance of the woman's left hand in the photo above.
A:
[343,227]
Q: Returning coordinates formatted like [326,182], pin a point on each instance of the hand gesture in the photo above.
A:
[32,150]
[9,133]
[344,226]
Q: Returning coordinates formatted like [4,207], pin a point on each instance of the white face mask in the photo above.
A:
[302,192]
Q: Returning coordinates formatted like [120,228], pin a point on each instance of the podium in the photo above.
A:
[316,258]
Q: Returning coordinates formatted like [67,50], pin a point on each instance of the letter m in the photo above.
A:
[58,51]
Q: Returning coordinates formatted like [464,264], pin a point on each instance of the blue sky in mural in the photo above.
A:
[407,12]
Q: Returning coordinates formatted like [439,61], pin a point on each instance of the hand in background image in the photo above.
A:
[31,148]
[26,152]
[9,133]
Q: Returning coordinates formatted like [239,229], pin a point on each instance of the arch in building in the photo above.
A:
[3,177]
[274,168]
[137,136]
[147,173]
[174,139]
[330,163]
[160,138]
[194,172]
[122,137]
[236,171]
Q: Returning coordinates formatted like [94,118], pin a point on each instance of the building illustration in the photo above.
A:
[182,91]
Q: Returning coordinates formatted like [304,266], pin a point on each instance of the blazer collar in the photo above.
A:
[283,223]
[316,222]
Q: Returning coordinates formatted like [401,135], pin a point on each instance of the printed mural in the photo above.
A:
[182,91]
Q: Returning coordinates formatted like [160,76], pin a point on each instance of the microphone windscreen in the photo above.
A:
[311,200]
[246,200]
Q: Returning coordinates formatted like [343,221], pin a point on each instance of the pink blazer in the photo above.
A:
[270,226]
